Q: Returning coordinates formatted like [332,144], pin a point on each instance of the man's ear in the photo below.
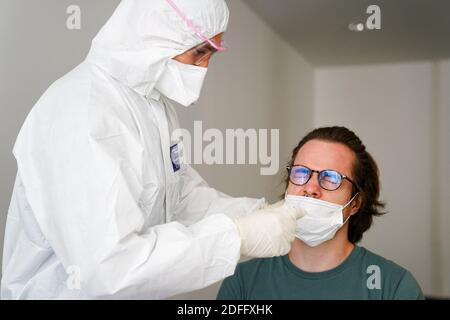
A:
[356,204]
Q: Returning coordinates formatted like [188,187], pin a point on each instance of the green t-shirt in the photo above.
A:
[363,275]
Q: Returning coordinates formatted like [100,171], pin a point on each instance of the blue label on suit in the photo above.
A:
[175,157]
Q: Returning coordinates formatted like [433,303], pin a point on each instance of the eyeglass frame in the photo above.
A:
[206,44]
[343,177]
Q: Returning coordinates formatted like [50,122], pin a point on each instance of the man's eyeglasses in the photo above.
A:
[328,179]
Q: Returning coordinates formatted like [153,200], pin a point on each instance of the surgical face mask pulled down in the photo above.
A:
[181,82]
[322,220]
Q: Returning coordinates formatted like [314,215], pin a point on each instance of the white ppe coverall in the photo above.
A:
[99,210]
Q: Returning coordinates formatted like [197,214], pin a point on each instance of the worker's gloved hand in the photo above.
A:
[268,232]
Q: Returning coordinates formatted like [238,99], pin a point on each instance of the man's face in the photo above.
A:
[320,155]
[201,54]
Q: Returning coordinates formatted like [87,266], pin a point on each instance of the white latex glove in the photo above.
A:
[268,232]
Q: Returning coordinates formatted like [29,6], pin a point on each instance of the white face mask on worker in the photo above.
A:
[181,82]
[322,220]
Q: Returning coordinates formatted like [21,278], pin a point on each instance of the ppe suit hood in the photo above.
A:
[139,38]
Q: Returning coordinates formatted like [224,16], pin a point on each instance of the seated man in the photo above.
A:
[334,178]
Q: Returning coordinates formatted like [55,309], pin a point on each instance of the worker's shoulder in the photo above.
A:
[86,100]
[85,86]
[66,98]
[72,83]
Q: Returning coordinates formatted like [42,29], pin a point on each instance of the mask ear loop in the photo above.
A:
[194,28]
[353,198]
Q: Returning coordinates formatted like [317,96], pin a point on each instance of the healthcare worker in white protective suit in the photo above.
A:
[103,205]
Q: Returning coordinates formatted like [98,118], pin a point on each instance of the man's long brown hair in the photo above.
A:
[365,175]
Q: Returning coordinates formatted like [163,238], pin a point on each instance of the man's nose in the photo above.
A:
[312,188]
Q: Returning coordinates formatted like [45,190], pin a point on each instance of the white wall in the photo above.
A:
[442,280]
[293,81]
[392,108]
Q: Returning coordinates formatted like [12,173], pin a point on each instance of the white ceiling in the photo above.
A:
[318,29]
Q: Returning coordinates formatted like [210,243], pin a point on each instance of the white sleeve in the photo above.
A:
[84,193]
[199,200]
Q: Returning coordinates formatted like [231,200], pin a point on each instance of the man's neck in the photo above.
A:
[325,256]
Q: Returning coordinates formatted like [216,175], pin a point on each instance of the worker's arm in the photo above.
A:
[84,190]
[199,200]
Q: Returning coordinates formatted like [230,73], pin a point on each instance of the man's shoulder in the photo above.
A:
[371,258]
[399,281]
[247,274]
[258,264]
[389,270]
